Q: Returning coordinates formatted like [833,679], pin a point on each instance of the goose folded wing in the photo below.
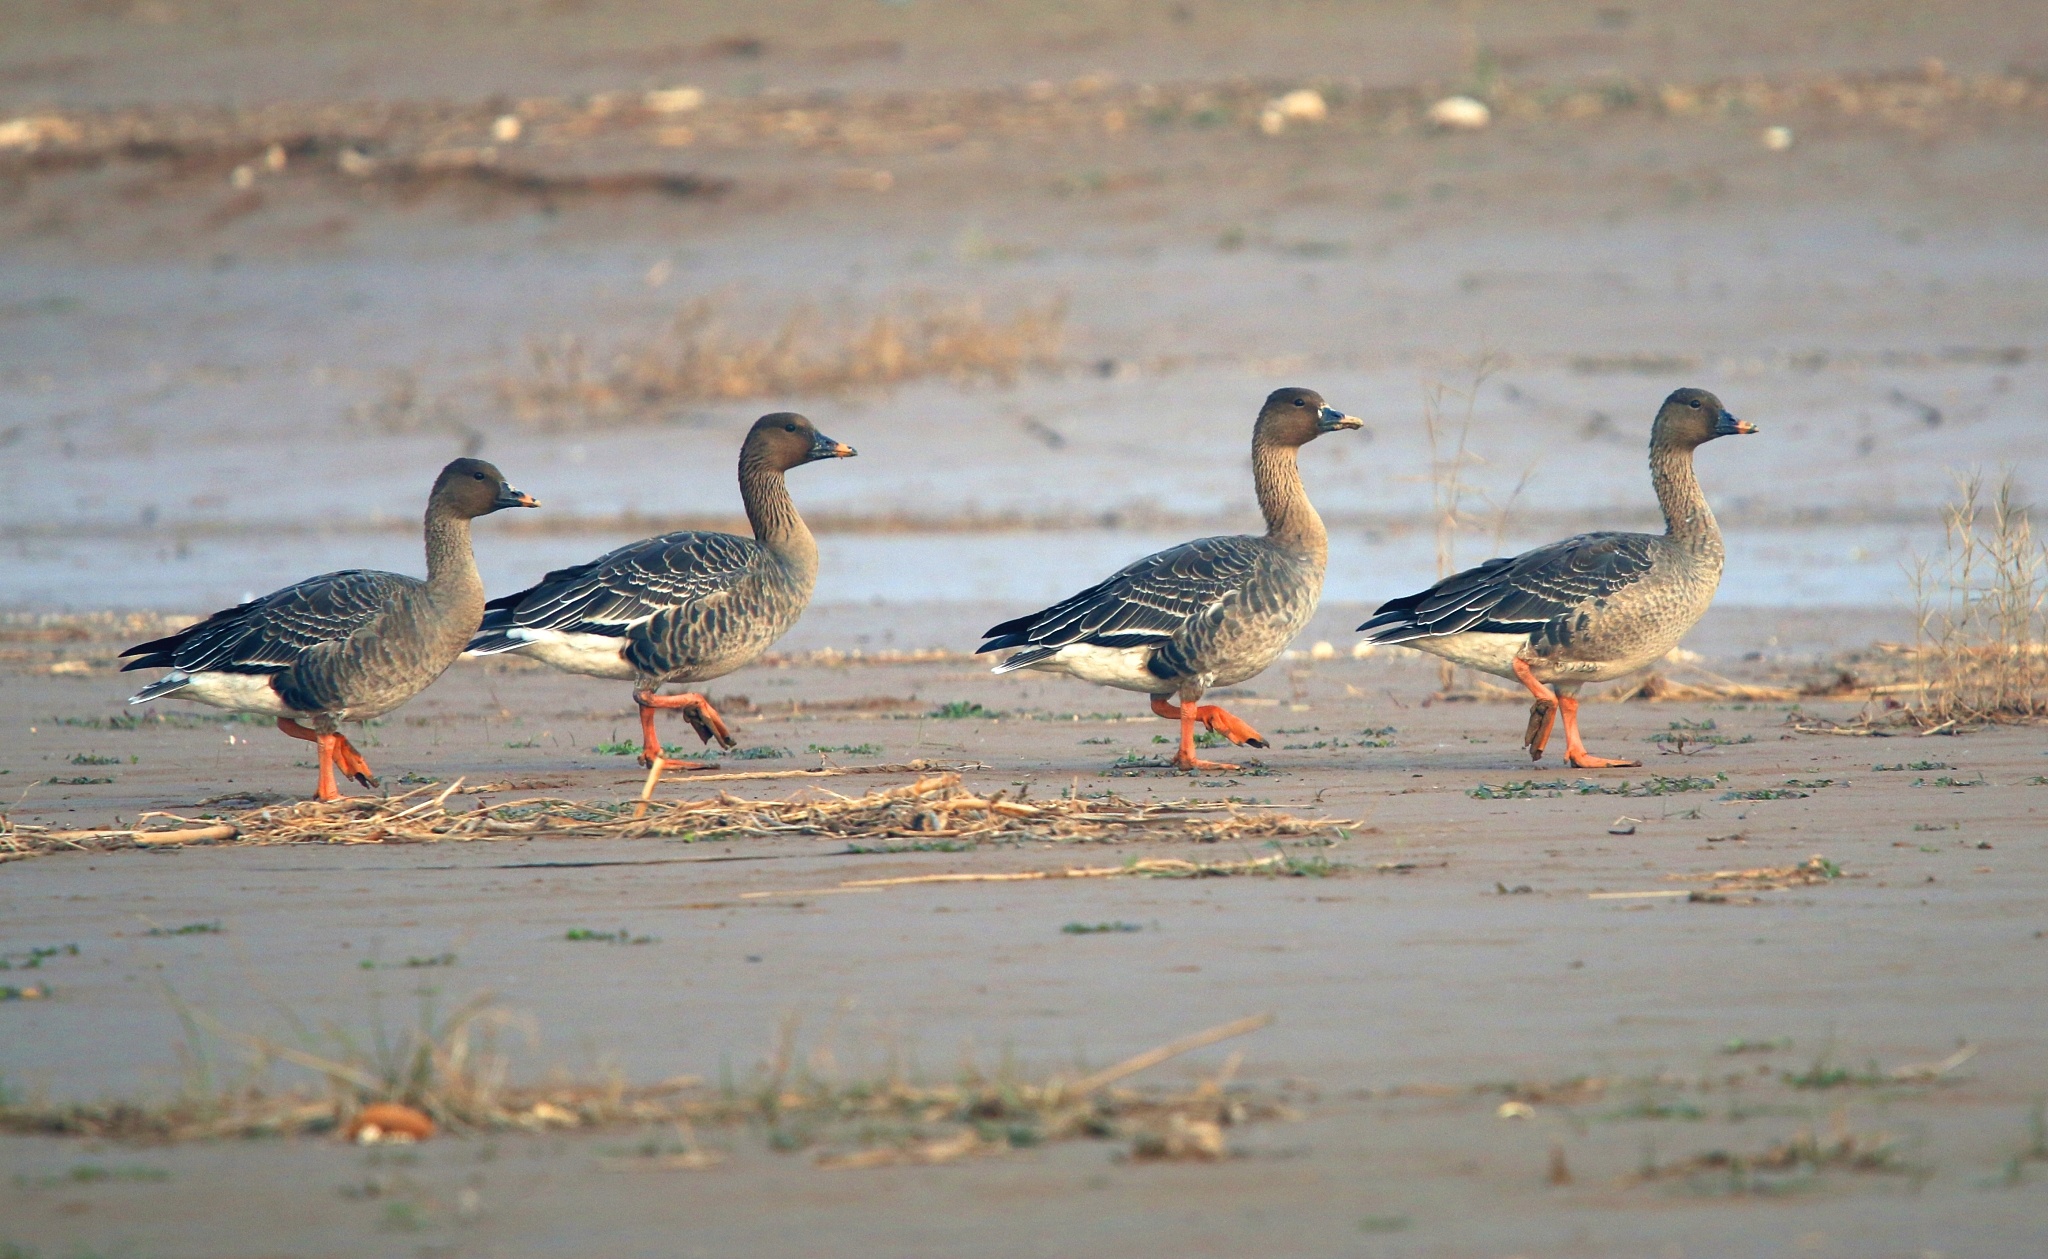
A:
[1513,596]
[612,594]
[1148,602]
[269,635]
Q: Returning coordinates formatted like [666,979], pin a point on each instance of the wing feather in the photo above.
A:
[1518,595]
[625,588]
[269,635]
[1150,601]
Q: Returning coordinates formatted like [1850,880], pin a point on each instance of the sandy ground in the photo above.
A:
[1400,983]
[210,388]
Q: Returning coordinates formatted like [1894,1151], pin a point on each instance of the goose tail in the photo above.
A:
[1024,659]
[169,684]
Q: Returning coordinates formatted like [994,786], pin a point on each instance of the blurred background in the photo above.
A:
[264,266]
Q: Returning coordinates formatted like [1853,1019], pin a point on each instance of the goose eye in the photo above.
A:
[478,475]
[1301,402]
[791,428]
[1694,404]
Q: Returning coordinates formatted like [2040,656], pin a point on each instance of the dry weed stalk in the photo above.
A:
[1450,453]
[452,1071]
[935,807]
[704,356]
[1982,643]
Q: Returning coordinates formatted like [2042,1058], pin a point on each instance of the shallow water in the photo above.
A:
[1846,565]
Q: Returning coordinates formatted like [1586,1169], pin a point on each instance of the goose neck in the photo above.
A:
[1688,519]
[1291,520]
[451,565]
[773,515]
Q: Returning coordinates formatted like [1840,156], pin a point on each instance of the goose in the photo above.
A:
[1588,609]
[683,607]
[1203,614]
[346,646]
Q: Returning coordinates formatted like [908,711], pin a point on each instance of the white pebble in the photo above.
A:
[1460,113]
[1303,104]
[1322,651]
[674,100]
[506,129]
[1777,139]
[1363,650]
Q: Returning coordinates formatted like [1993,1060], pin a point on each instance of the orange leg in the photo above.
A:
[1542,713]
[351,762]
[1218,722]
[336,752]
[324,789]
[1575,753]
[696,710]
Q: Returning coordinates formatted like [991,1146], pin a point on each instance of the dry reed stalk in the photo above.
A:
[705,357]
[451,1072]
[1982,643]
[1152,867]
[1450,453]
[936,806]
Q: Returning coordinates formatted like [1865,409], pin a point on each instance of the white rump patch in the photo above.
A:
[1488,653]
[595,655]
[1121,667]
[237,692]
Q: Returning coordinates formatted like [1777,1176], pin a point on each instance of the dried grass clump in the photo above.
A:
[453,1074]
[1783,1165]
[706,356]
[1982,645]
[935,807]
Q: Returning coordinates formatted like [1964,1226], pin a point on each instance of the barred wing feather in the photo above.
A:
[625,588]
[269,635]
[1518,595]
[1148,602]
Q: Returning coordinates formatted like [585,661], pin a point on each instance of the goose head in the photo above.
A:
[787,440]
[1296,417]
[471,487]
[1694,417]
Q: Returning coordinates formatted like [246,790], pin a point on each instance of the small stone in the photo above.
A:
[1460,113]
[674,100]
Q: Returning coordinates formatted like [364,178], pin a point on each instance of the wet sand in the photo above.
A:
[1400,983]
[208,389]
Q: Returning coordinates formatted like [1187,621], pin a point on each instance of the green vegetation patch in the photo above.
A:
[34,956]
[584,935]
[1657,785]
[960,710]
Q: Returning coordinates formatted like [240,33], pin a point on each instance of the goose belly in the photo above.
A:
[1121,667]
[1488,653]
[597,655]
[236,692]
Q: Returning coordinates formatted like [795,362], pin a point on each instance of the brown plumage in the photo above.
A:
[344,646]
[1206,613]
[1588,609]
[684,607]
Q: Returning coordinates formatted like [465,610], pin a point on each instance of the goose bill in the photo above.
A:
[509,497]
[1332,419]
[823,447]
[1729,426]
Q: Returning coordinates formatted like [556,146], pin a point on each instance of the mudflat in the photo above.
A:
[1776,992]
[1520,1009]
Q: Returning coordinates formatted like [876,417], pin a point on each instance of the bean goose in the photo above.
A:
[1588,609]
[684,607]
[344,646]
[1206,613]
